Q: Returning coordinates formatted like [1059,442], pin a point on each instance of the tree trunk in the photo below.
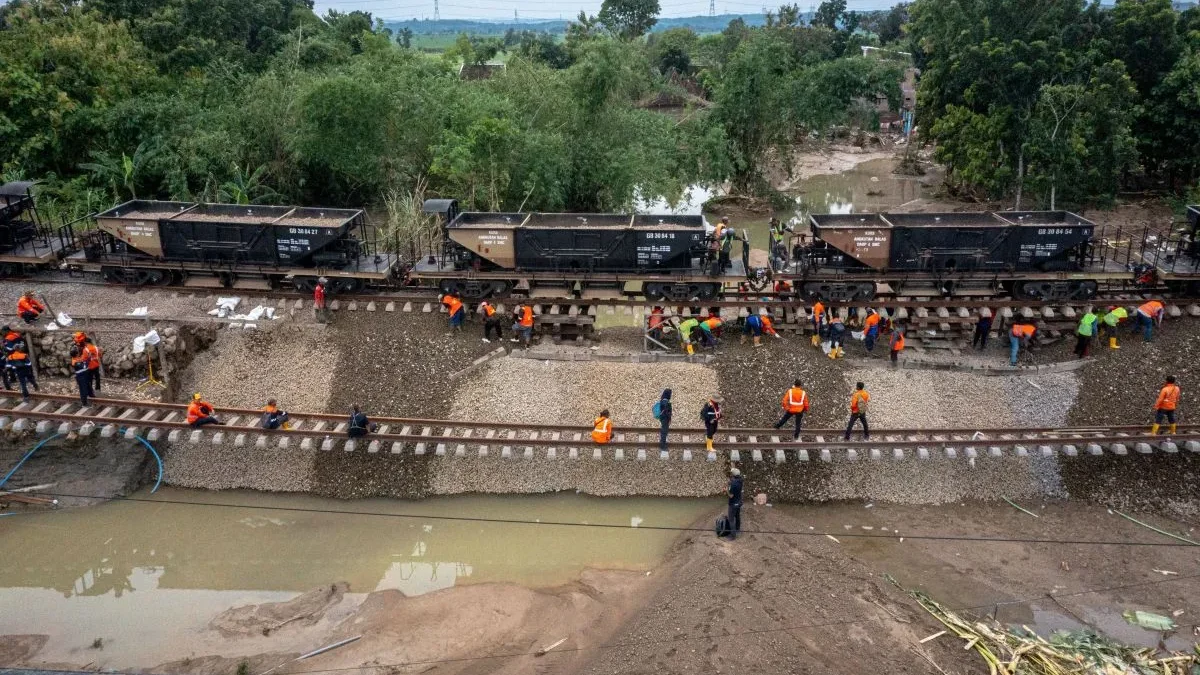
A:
[1053,187]
[1020,175]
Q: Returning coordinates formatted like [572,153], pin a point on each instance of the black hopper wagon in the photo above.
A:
[1036,255]
[662,257]
[234,246]
[27,241]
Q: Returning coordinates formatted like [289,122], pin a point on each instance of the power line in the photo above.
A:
[651,528]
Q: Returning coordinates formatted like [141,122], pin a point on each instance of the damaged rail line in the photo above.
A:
[154,421]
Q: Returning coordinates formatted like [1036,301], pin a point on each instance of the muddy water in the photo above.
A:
[137,573]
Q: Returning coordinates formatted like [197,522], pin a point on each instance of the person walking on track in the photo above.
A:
[795,404]
[858,411]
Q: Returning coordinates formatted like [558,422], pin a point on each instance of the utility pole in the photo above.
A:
[516,17]
[437,16]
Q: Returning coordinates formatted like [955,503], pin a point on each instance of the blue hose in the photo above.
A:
[27,456]
[157,459]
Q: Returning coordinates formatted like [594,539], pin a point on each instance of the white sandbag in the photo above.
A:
[63,319]
[138,311]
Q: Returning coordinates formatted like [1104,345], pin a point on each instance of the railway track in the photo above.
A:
[47,413]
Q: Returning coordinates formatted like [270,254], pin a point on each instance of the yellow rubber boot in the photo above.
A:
[1112,343]
[816,340]
[690,351]
[757,341]
[1153,430]
[1171,430]
[708,444]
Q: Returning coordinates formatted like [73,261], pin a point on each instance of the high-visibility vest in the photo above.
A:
[870,321]
[859,395]
[1168,397]
[488,310]
[602,430]
[29,305]
[766,325]
[197,409]
[818,310]
[452,304]
[795,400]
[1151,309]
[526,316]
[898,341]
[92,352]
[1023,330]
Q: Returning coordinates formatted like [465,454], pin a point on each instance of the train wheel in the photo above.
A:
[1054,291]
[344,285]
[466,288]
[304,284]
[839,292]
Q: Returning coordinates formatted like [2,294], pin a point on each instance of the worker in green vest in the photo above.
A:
[1085,332]
[1108,324]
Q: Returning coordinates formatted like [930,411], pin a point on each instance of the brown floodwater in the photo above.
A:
[138,573]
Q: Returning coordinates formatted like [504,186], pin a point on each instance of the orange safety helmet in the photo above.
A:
[80,336]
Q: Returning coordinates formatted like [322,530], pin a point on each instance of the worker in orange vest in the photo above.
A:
[1149,315]
[200,412]
[654,324]
[871,329]
[709,329]
[29,308]
[818,318]
[83,378]
[897,342]
[523,324]
[93,355]
[602,430]
[491,322]
[273,417]
[795,404]
[12,341]
[1021,336]
[1164,406]
[454,307]
[18,365]
[858,410]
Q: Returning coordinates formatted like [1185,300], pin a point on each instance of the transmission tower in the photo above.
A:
[516,17]
[712,7]
[437,16]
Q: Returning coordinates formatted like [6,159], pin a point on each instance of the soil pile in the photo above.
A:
[303,610]
[753,381]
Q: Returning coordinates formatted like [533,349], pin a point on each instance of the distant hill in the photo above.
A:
[700,24]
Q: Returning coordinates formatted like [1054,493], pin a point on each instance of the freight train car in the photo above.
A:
[233,245]
[492,254]
[26,242]
[1032,254]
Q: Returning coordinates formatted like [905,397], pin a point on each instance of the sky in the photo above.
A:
[553,9]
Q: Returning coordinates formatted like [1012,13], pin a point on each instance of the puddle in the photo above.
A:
[138,573]
[1046,620]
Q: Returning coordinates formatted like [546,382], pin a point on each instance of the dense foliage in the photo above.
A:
[261,101]
[1071,102]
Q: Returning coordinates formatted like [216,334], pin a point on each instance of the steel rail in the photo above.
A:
[1116,432]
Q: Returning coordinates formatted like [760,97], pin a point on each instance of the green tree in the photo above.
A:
[349,27]
[672,49]
[830,14]
[473,50]
[247,187]
[629,19]
[120,174]
[542,47]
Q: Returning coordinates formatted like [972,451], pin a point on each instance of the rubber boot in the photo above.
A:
[1154,430]
[757,341]
[690,350]
[833,353]
[1112,343]
[742,339]
[816,340]
[708,444]
[1171,429]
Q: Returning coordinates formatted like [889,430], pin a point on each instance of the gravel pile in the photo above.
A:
[398,364]
[225,467]
[928,398]
[566,392]
[1042,400]
[1158,482]
[243,369]
[933,481]
[753,381]
[1120,386]
[607,477]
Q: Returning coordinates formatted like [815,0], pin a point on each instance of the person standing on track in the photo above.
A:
[1085,333]
[93,354]
[1149,315]
[18,365]
[662,413]
[710,414]
[983,326]
[456,310]
[871,329]
[12,341]
[602,429]
[320,309]
[897,343]
[858,410]
[818,319]
[83,378]
[1164,406]
[795,404]
[491,322]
